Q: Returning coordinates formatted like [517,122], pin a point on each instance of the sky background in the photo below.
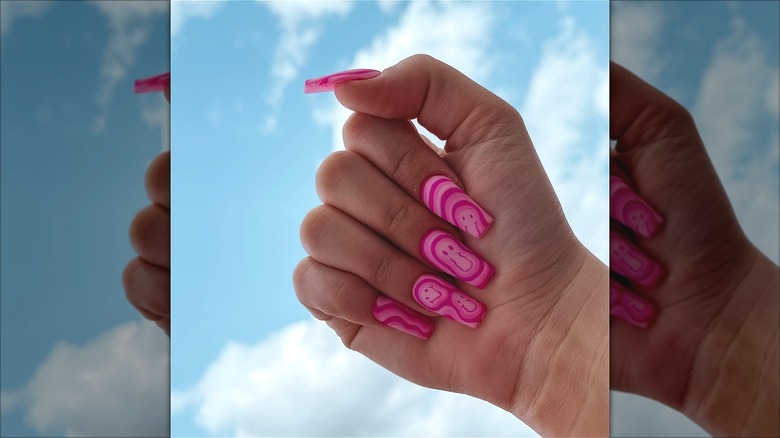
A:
[247,358]
[720,60]
[75,357]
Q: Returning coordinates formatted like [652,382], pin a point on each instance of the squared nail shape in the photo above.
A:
[628,261]
[448,201]
[444,299]
[326,83]
[628,208]
[394,314]
[444,251]
[630,307]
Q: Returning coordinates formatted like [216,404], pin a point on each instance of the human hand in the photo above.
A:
[541,349]
[147,278]
[710,347]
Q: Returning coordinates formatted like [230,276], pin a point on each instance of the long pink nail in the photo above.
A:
[445,299]
[394,314]
[628,261]
[448,201]
[152,84]
[326,83]
[626,207]
[629,307]
[444,251]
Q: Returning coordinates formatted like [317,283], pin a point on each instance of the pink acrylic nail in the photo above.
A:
[326,83]
[448,201]
[444,251]
[626,207]
[629,307]
[152,84]
[628,261]
[446,300]
[394,314]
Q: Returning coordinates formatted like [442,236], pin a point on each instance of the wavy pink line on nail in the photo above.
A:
[151,84]
[629,307]
[394,314]
[626,207]
[628,261]
[326,83]
[445,252]
[448,201]
[446,300]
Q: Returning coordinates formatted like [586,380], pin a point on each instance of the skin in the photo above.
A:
[147,278]
[712,352]
[542,349]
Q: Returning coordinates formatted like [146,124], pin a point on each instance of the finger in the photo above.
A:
[348,297]
[148,289]
[150,235]
[630,262]
[158,180]
[395,148]
[629,307]
[640,114]
[628,208]
[167,91]
[443,100]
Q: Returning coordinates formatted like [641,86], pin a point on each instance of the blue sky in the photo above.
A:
[720,60]
[75,146]
[247,143]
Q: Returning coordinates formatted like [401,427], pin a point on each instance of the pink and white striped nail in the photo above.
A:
[326,83]
[630,307]
[448,201]
[394,314]
[446,300]
[626,207]
[444,251]
[628,261]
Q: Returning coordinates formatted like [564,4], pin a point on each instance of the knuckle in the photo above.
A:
[403,164]
[398,220]
[383,268]
[330,174]
[300,278]
[129,279]
[316,223]
[355,128]
[141,229]
[158,173]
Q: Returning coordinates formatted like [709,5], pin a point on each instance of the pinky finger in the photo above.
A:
[629,307]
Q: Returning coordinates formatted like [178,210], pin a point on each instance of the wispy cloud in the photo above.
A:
[301,381]
[183,11]
[115,385]
[13,11]
[636,33]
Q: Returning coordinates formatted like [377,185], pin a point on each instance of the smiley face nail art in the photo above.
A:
[448,201]
[446,300]
[444,251]
[394,314]
[629,307]
[626,207]
[628,261]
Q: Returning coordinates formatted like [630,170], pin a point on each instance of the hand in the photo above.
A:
[147,278]
[540,351]
[712,349]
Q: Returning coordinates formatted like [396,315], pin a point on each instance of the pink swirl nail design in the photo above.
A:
[152,84]
[628,261]
[326,83]
[448,201]
[446,300]
[629,307]
[444,251]
[626,207]
[394,314]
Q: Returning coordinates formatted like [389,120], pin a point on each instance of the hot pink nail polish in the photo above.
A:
[152,84]
[448,201]
[628,261]
[394,314]
[325,83]
[445,252]
[446,300]
[626,207]
[629,307]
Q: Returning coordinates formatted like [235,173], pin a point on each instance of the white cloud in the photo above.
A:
[157,114]
[633,415]
[388,6]
[636,32]
[183,11]
[13,11]
[115,385]
[302,381]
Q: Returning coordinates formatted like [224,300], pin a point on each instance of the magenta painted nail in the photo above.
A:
[448,201]
[394,314]
[152,84]
[629,307]
[445,252]
[628,261]
[446,300]
[326,83]
[626,207]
